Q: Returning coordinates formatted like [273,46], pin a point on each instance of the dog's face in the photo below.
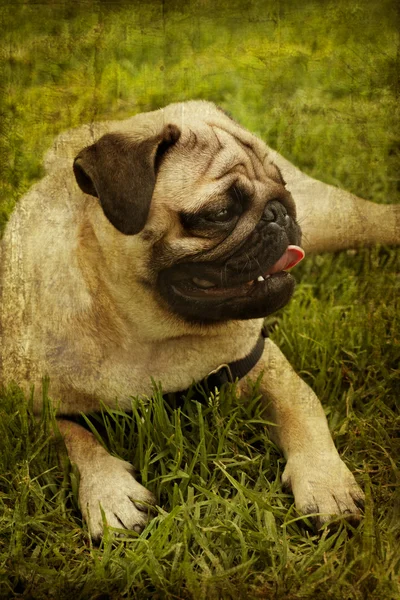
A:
[217,224]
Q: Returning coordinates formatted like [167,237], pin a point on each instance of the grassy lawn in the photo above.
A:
[320,82]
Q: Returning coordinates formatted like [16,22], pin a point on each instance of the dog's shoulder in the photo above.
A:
[69,143]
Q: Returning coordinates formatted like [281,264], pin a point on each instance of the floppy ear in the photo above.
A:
[122,174]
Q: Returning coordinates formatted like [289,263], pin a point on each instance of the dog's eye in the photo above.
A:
[222,216]
[211,220]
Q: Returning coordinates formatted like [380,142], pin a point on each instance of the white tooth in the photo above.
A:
[260,278]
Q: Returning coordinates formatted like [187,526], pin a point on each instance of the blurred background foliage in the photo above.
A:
[318,80]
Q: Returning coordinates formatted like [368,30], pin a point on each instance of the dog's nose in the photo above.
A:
[275,212]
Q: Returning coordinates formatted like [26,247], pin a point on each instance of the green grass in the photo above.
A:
[319,81]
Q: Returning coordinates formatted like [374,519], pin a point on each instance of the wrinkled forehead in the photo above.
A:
[228,147]
[214,149]
[229,143]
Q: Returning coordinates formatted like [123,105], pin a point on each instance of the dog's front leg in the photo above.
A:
[105,481]
[319,479]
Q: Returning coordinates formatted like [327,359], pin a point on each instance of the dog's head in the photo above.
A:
[216,223]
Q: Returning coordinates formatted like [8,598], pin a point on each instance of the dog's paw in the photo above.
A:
[323,484]
[110,484]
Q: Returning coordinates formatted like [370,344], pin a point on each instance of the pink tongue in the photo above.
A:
[290,258]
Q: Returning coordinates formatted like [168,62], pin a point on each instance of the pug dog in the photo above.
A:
[152,250]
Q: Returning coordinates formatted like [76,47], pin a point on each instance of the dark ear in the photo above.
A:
[121,173]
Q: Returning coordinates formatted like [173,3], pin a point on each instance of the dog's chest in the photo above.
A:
[115,376]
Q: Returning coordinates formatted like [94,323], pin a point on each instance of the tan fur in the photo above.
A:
[77,301]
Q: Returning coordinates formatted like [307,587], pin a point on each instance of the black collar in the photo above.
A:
[237,369]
